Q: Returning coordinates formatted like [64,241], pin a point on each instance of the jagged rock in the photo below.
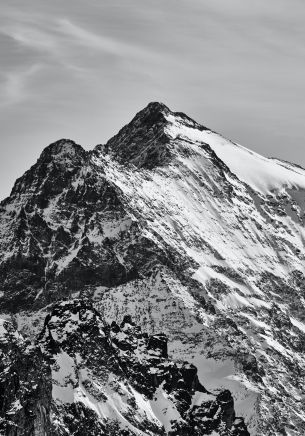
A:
[75,336]
[25,386]
[164,225]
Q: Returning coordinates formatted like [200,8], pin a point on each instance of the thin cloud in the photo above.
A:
[83,38]
[59,36]
[14,88]
[32,37]
[236,66]
[61,42]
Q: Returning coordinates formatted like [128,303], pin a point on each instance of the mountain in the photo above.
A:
[105,379]
[189,235]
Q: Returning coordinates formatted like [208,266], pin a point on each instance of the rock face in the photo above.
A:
[107,379]
[191,235]
[83,376]
[25,386]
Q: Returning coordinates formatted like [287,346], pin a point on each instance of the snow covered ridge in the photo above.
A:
[159,224]
[157,121]
[108,379]
[262,174]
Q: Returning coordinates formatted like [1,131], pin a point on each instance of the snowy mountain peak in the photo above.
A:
[170,228]
[145,141]
[155,106]
[57,162]
[264,175]
[61,150]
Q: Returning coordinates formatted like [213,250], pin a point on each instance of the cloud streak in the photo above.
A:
[84,68]
[83,38]
[15,86]
[61,42]
[61,37]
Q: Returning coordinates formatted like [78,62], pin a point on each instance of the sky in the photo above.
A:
[81,69]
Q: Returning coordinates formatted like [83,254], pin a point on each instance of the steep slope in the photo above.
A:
[123,381]
[106,380]
[243,245]
[25,386]
[60,228]
[190,234]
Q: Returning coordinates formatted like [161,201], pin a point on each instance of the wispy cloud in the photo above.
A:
[84,67]
[15,85]
[61,37]
[52,41]
[84,38]
[31,37]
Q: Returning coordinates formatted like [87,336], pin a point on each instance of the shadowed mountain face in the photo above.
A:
[193,236]
[107,380]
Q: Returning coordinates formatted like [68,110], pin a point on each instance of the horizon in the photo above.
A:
[82,71]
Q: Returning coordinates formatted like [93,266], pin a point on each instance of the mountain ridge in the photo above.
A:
[188,233]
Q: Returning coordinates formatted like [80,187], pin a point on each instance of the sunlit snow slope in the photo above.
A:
[190,234]
[237,221]
[261,173]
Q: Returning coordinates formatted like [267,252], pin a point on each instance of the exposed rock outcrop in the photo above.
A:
[25,386]
[194,237]
[120,374]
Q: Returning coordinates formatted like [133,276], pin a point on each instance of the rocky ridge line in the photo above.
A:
[83,353]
